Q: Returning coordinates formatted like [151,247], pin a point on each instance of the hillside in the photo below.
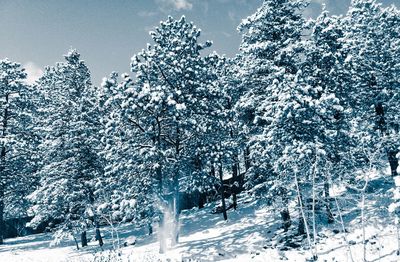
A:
[252,233]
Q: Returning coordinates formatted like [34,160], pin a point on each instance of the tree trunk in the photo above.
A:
[393,161]
[98,234]
[76,241]
[176,210]
[222,192]
[301,228]
[234,188]
[150,227]
[2,223]
[285,215]
[247,163]
[161,234]
[328,203]
[84,241]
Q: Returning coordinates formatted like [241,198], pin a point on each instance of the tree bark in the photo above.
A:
[247,163]
[2,223]
[161,233]
[328,203]
[393,161]
[222,192]
[84,241]
[285,215]
[235,178]
[301,228]
[175,239]
[98,234]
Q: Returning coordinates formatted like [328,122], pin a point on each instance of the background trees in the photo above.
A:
[303,107]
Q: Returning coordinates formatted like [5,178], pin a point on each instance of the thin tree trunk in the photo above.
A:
[393,161]
[247,163]
[76,241]
[222,192]
[301,230]
[234,188]
[398,239]
[285,215]
[343,229]
[314,254]
[2,223]
[176,214]
[363,225]
[150,227]
[328,203]
[161,234]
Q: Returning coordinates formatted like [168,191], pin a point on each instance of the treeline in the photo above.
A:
[303,106]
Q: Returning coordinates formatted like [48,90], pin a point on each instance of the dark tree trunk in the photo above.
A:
[98,236]
[150,227]
[222,192]
[328,203]
[159,179]
[2,223]
[393,161]
[235,182]
[84,239]
[301,230]
[201,200]
[285,215]
[247,163]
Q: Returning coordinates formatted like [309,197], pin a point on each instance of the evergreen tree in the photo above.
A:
[69,151]
[270,58]
[16,160]
[371,45]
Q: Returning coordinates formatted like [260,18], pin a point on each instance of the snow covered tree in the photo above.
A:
[269,64]
[69,127]
[371,43]
[125,192]
[158,117]
[16,140]
[325,84]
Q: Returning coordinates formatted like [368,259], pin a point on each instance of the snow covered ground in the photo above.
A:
[252,233]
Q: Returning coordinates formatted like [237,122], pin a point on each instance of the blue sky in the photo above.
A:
[108,33]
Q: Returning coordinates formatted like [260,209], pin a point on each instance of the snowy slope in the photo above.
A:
[252,233]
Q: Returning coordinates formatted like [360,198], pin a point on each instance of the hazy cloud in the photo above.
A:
[33,72]
[167,5]
[147,13]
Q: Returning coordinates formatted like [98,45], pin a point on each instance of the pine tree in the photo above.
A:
[371,46]
[69,150]
[269,64]
[164,106]
[17,141]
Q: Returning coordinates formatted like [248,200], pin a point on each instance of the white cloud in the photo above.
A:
[165,5]
[147,13]
[33,72]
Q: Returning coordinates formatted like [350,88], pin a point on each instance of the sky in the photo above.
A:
[108,33]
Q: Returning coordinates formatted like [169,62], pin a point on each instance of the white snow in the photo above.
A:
[252,233]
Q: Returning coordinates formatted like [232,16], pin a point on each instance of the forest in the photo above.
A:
[306,108]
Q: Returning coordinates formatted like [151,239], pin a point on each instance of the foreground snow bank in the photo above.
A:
[252,233]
